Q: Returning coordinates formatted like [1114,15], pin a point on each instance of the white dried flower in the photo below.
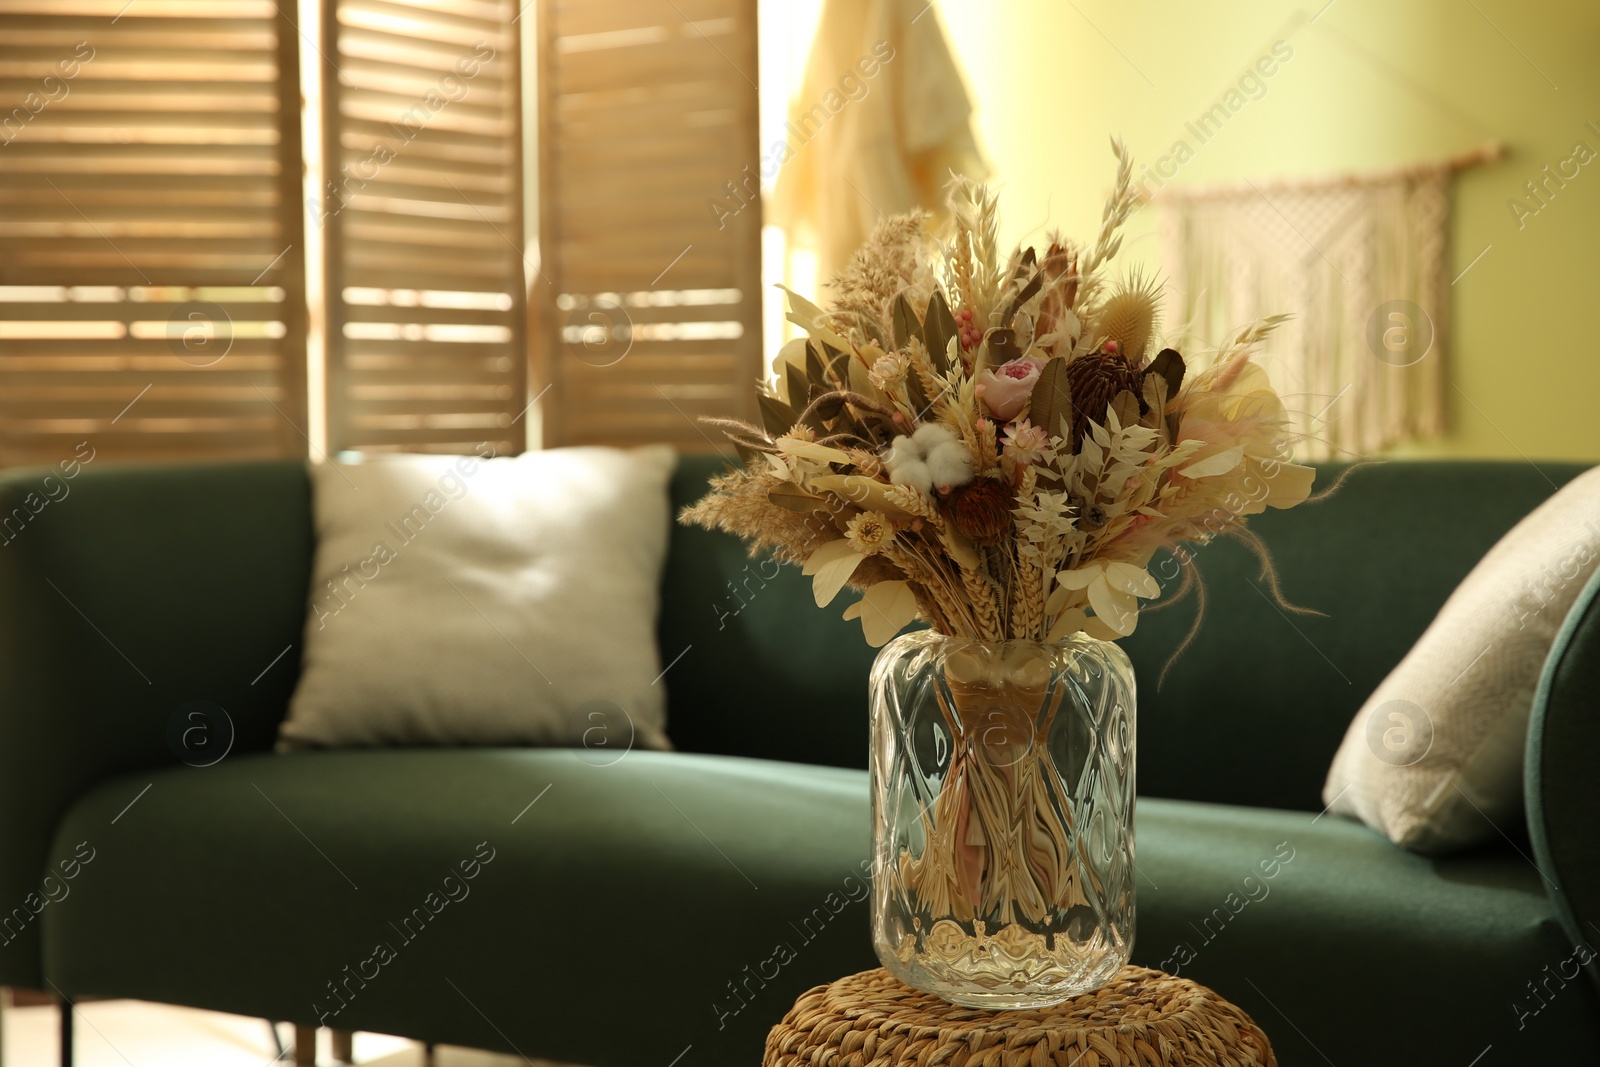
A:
[890,370]
[869,532]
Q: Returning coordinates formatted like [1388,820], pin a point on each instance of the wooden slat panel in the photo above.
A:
[423,125]
[142,210]
[643,122]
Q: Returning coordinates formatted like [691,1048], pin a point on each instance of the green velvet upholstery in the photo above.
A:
[1559,780]
[606,929]
[138,591]
[659,880]
[1354,951]
[807,700]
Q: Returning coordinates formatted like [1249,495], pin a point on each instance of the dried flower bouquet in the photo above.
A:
[990,445]
[997,446]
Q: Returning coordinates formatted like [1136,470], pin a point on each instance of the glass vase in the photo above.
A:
[1002,798]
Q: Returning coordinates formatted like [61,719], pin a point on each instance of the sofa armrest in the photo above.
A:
[1562,802]
[125,594]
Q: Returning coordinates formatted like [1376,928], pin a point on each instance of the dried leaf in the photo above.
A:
[885,610]
[803,312]
[812,450]
[830,567]
[1052,398]
[806,315]
[1022,326]
[1126,407]
[776,416]
[1023,296]
[917,395]
[1022,263]
[795,499]
[864,492]
[831,354]
[1213,465]
[1002,345]
[861,383]
[1168,365]
[938,330]
[1132,578]
[906,325]
[797,387]
[815,367]
[1154,394]
[1290,486]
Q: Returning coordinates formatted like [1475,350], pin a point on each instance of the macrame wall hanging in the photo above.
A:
[1361,263]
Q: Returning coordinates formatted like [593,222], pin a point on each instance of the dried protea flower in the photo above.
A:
[1095,379]
[1129,317]
[981,511]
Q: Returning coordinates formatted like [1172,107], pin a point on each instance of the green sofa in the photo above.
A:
[666,908]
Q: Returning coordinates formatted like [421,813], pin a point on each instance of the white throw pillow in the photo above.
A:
[1433,759]
[459,600]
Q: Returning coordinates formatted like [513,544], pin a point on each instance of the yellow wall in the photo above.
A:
[1371,83]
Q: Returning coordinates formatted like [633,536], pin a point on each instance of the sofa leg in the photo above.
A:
[277,1040]
[65,1008]
[344,1046]
[305,1046]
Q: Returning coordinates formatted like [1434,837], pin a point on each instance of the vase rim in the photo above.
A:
[931,637]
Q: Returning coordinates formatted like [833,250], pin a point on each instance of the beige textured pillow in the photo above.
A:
[1434,758]
[458,600]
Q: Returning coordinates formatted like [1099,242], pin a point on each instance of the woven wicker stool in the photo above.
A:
[1143,1018]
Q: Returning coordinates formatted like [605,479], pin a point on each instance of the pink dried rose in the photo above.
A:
[1005,391]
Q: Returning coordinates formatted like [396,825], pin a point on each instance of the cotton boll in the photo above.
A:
[949,465]
[913,473]
[902,450]
[930,435]
[906,466]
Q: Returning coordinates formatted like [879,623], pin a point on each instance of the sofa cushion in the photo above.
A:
[672,900]
[1434,757]
[507,600]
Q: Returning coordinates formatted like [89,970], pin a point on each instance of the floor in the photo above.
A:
[131,1033]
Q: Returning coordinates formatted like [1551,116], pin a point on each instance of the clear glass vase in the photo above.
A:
[1002,797]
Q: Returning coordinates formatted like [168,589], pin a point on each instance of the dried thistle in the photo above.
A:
[1128,318]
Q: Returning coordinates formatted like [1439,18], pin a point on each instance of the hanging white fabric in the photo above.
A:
[882,120]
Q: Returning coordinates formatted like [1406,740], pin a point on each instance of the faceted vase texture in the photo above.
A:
[1002,795]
